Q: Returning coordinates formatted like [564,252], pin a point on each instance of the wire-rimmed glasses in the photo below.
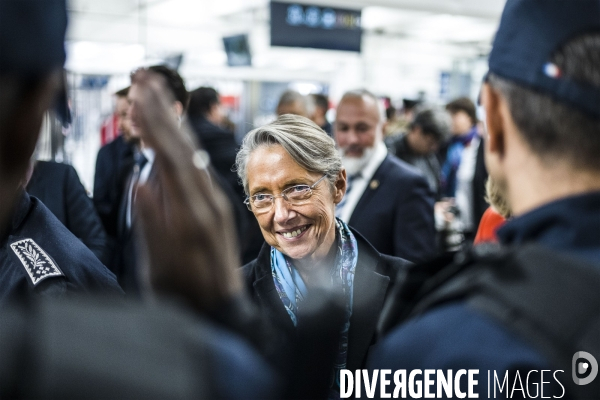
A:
[295,195]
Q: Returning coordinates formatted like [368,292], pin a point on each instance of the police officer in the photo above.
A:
[38,255]
[532,305]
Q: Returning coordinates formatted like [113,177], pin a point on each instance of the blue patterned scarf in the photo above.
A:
[292,290]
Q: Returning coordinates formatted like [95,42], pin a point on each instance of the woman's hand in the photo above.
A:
[186,221]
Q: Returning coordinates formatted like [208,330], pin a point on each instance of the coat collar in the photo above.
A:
[370,288]
[265,292]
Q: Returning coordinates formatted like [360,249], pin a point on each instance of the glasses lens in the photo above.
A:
[298,193]
[262,201]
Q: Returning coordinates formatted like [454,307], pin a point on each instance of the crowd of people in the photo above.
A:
[207,268]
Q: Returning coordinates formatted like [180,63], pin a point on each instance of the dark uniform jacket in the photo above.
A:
[40,256]
[373,280]
[59,188]
[395,212]
[454,335]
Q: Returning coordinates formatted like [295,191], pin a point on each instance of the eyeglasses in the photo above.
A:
[295,195]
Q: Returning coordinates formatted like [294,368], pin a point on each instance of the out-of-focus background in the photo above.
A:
[427,50]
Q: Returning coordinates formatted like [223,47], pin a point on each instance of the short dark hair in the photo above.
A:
[123,92]
[552,128]
[463,104]
[432,122]
[202,100]
[390,112]
[321,101]
[174,82]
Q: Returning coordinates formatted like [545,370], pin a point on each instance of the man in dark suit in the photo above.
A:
[113,164]
[204,115]
[59,188]
[142,171]
[388,201]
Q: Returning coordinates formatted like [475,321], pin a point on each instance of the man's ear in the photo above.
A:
[492,103]
[340,187]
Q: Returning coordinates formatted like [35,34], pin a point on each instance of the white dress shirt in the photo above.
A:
[138,177]
[145,172]
[464,184]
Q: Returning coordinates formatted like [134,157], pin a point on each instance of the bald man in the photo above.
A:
[292,102]
[388,201]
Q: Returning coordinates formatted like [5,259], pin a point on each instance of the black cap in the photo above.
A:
[32,36]
[530,32]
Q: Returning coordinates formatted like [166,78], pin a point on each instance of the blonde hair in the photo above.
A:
[495,195]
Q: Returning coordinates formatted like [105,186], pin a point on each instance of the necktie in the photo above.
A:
[340,206]
[140,162]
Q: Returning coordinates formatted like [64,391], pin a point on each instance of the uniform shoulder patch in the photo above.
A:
[37,263]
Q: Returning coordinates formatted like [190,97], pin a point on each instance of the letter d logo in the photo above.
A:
[582,363]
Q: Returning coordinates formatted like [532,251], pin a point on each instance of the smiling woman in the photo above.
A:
[293,177]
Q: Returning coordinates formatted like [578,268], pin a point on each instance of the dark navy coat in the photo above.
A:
[395,213]
[373,281]
[40,256]
[454,336]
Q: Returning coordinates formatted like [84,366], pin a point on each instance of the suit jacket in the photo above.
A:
[124,262]
[59,188]
[395,213]
[374,277]
[113,165]
[222,148]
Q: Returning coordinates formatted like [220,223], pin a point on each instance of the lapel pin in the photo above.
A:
[374,184]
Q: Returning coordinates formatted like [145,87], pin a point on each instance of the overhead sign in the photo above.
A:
[303,25]
[238,51]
